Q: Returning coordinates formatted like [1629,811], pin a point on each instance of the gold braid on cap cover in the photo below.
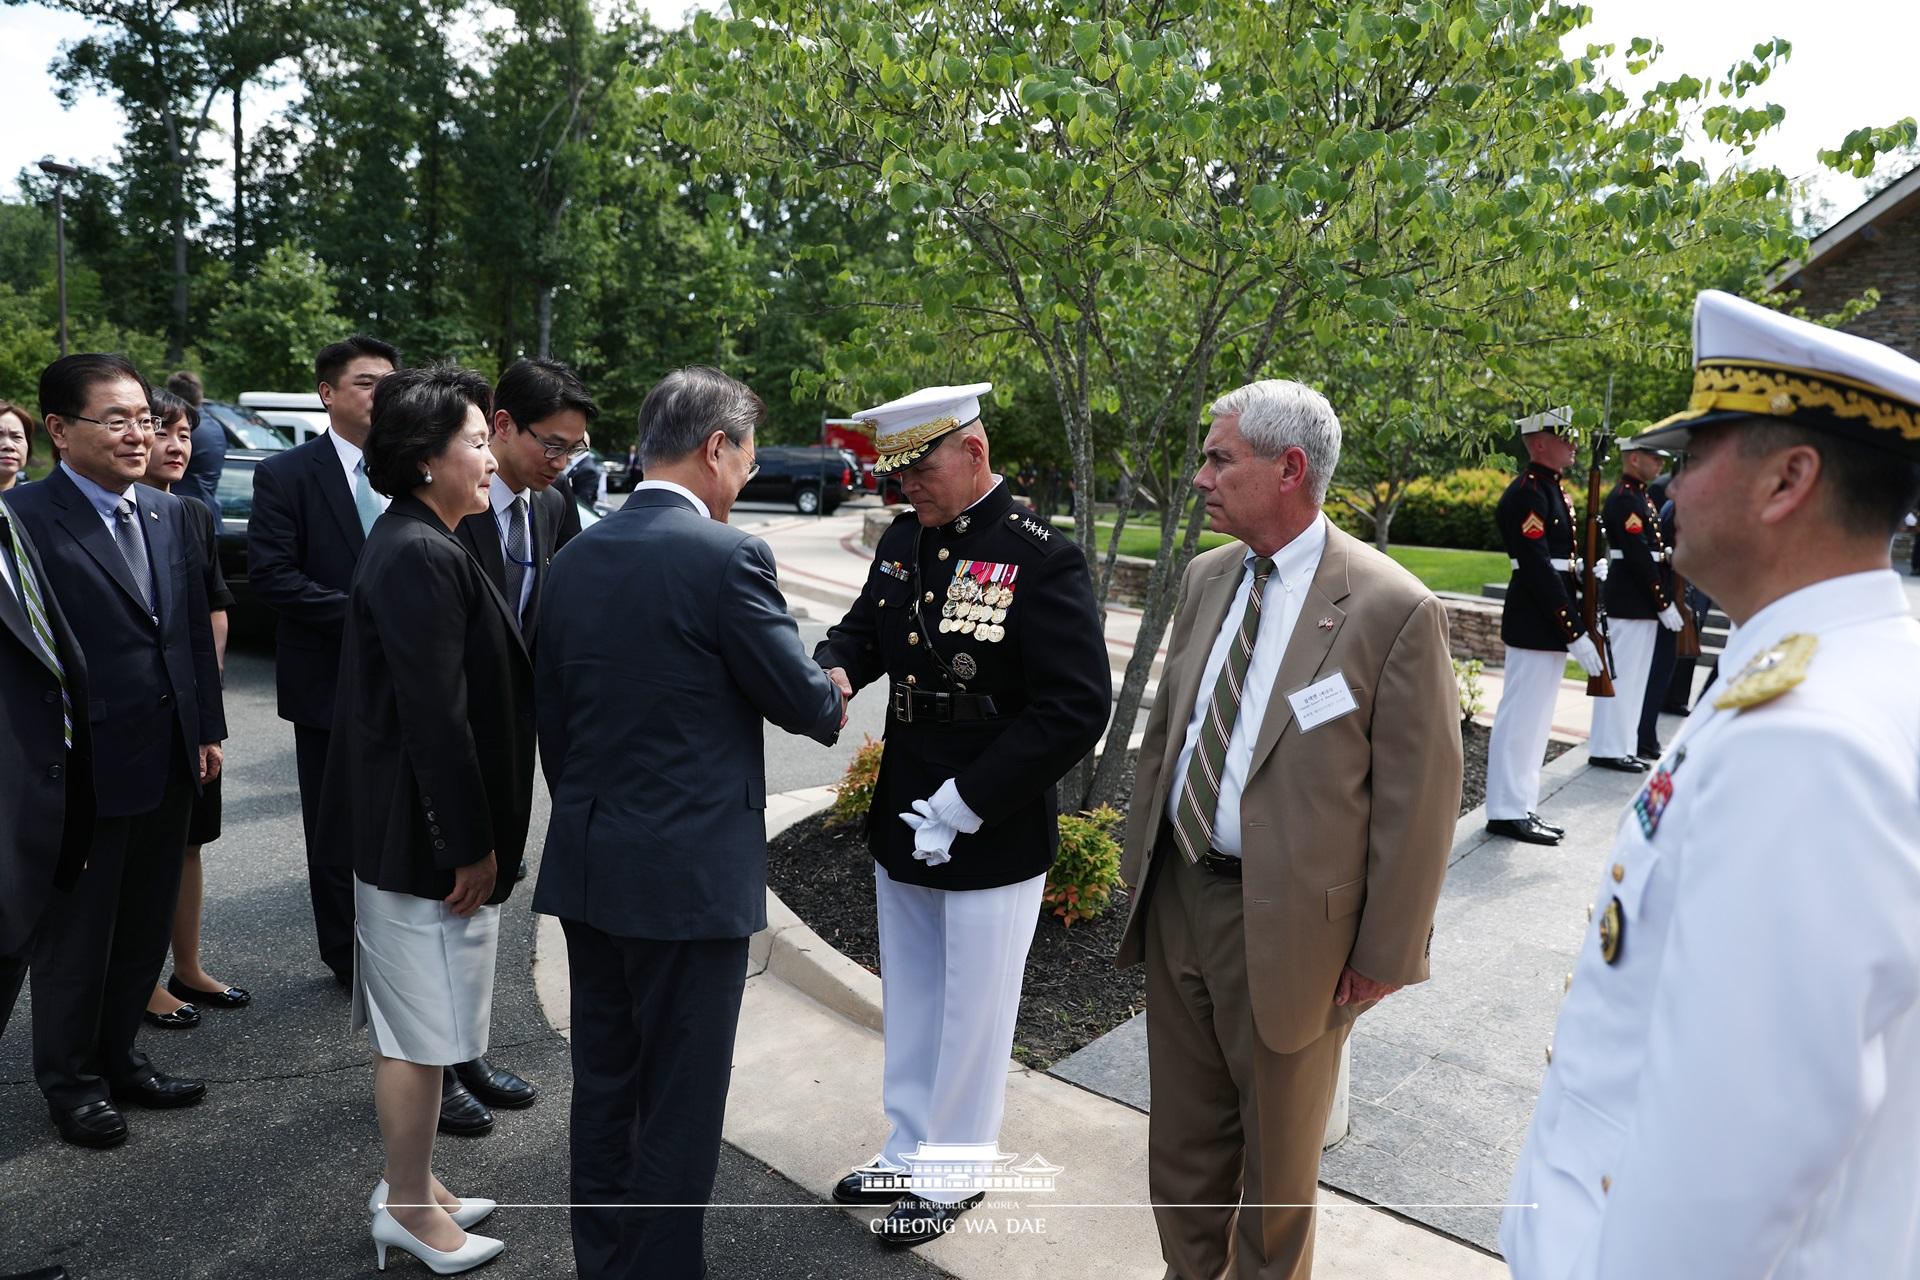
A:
[915,438]
[1772,390]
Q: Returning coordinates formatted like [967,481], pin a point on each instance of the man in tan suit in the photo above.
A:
[1298,788]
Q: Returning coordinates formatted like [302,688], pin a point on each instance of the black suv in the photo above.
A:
[814,478]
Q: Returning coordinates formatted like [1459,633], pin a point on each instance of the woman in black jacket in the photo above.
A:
[428,788]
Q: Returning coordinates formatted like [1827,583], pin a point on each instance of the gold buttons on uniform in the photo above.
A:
[943,553]
[1549,1055]
[1568,984]
[1014,516]
[929,599]
[1606,1184]
[913,680]
[913,637]
[1619,872]
[1589,913]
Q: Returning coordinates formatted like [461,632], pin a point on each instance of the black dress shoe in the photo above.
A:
[1649,751]
[159,1092]
[495,1086]
[185,1018]
[1619,764]
[853,1189]
[1544,825]
[916,1221]
[461,1114]
[43,1273]
[344,977]
[1528,829]
[96,1124]
[520,872]
[228,998]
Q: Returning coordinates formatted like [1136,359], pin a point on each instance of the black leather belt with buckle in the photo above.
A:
[924,706]
[1221,864]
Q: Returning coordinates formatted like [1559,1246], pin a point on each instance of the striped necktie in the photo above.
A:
[37,619]
[1200,790]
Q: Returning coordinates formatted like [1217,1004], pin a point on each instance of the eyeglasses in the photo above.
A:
[561,449]
[120,426]
[753,468]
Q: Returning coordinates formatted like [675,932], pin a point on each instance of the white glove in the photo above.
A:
[1581,650]
[1599,569]
[1670,618]
[948,807]
[932,838]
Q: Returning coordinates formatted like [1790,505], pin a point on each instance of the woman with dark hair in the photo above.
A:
[176,1006]
[16,442]
[428,790]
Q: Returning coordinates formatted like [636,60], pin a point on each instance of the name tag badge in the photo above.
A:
[1322,701]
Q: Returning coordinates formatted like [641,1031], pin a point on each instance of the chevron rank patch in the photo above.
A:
[1533,526]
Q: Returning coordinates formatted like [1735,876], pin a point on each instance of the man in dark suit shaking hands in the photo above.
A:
[312,507]
[656,854]
[125,570]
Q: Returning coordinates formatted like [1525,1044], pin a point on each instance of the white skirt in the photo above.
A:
[422,976]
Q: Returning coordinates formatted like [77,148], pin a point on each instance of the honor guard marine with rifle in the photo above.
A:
[980,616]
[1639,602]
[1541,623]
[1733,1086]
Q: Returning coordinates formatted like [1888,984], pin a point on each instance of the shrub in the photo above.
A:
[1466,677]
[853,795]
[1087,867]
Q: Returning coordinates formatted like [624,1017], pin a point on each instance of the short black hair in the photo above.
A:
[531,391]
[1869,490]
[415,413]
[64,384]
[336,356]
[168,405]
[187,386]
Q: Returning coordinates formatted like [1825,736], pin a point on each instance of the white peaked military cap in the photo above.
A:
[1750,361]
[1640,442]
[905,429]
[1557,421]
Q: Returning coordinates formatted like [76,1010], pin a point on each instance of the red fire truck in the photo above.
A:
[857,439]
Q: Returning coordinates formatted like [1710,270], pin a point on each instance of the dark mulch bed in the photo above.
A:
[1073,994]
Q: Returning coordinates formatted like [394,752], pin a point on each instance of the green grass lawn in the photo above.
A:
[1440,568]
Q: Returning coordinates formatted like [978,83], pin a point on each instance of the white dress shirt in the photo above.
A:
[106,503]
[706,513]
[350,459]
[1293,568]
[502,496]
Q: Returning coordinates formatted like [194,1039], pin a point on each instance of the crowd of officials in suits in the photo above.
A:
[1297,789]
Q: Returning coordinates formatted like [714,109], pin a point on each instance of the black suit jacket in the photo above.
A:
[153,689]
[431,762]
[303,539]
[46,791]
[553,520]
[657,765]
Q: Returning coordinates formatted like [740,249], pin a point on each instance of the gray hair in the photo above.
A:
[1277,415]
[690,404]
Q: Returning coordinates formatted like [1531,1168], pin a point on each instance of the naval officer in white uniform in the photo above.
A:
[1733,1089]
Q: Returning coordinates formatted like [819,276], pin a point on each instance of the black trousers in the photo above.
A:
[653,1026]
[100,949]
[13,971]
[1665,656]
[329,883]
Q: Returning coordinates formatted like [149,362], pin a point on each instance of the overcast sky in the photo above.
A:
[1851,66]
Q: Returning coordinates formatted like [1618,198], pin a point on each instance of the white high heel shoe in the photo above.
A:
[472,1211]
[387,1231]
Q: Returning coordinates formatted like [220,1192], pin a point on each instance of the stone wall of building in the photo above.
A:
[1885,256]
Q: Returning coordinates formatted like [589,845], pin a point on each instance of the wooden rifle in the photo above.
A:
[1686,642]
[1591,614]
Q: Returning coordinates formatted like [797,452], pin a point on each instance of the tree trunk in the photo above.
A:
[239,180]
[177,217]
[546,322]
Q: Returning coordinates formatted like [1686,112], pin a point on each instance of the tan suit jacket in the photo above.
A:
[1345,827]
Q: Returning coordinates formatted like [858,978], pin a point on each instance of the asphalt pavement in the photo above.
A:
[269,1176]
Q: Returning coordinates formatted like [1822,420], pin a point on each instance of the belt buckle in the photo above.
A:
[903,704]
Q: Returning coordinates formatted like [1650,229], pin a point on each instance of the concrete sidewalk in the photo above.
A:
[805,1100]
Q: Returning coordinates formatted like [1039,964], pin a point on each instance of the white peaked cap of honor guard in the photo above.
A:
[1554,420]
[905,429]
[1750,361]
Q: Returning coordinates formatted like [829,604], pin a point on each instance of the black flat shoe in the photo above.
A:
[229,998]
[520,872]
[160,1092]
[344,977]
[96,1124]
[1544,825]
[185,1018]
[1528,829]
[853,1189]
[39,1273]
[916,1221]
[461,1114]
[1619,764]
[495,1086]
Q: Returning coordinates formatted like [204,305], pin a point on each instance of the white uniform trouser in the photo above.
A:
[1616,720]
[1518,746]
[951,963]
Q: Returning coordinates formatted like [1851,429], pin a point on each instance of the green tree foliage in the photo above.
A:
[262,337]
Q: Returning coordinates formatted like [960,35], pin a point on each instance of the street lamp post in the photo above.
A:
[60,173]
